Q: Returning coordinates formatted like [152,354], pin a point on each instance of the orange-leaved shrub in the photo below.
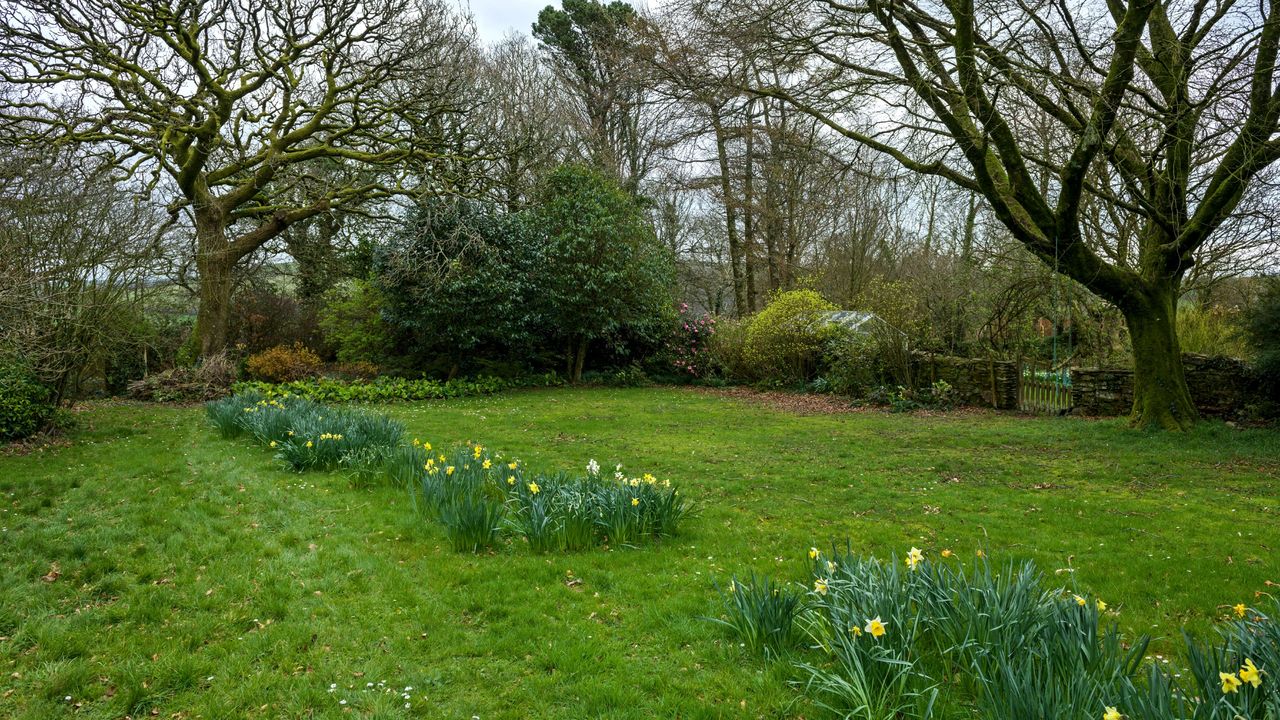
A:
[284,363]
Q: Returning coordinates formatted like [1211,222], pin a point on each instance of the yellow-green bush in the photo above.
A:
[784,342]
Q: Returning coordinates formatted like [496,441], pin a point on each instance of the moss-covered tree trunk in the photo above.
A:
[215,263]
[1160,395]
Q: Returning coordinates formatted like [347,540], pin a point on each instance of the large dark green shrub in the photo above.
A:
[1264,336]
[26,405]
[605,277]
[460,280]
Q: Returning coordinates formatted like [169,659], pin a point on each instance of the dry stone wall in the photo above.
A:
[1220,387]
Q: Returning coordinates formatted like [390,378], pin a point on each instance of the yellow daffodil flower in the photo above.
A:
[486,464]
[855,631]
[1102,606]
[980,553]
[273,443]
[1240,610]
[635,502]
[875,627]
[426,446]
[1079,600]
[309,444]
[533,488]
[511,480]
[1250,673]
[512,465]
[813,553]
[1230,683]
[448,470]
[1112,714]
[831,567]
[947,553]
[820,586]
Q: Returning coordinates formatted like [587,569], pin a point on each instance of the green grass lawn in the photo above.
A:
[195,578]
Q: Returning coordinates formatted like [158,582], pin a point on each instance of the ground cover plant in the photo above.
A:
[390,389]
[147,566]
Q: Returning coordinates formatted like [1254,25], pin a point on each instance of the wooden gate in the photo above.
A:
[1041,389]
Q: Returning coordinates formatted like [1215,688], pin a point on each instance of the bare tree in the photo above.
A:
[1162,113]
[225,104]
[76,252]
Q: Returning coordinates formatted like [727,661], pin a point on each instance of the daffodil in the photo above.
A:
[426,446]
[1112,714]
[309,444]
[1079,600]
[273,443]
[477,452]
[511,480]
[486,464]
[511,465]
[820,586]
[980,553]
[831,566]
[914,557]
[813,553]
[947,553]
[1102,606]
[533,488]
[855,631]
[448,470]
[1230,683]
[875,627]
[1249,673]
[635,502]
[1240,610]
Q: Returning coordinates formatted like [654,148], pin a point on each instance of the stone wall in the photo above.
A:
[986,383]
[1220,387]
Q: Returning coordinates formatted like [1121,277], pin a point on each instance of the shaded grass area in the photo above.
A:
[194,576]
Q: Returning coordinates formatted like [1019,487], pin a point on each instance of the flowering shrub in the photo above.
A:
[690,346]
[283,363]
[918,638]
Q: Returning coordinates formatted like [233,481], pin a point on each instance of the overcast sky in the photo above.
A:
[496,18]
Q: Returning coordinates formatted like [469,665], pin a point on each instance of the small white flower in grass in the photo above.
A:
[593,467]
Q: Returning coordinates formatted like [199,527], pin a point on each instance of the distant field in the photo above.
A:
[152,568]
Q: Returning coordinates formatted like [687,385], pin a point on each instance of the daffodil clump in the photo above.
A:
[481,497]
[930,636]
[306,435]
